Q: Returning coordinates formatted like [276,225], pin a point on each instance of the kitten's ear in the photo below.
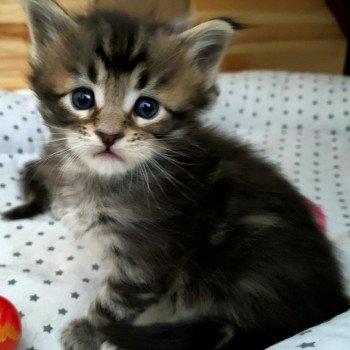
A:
[207,43]
[46,19]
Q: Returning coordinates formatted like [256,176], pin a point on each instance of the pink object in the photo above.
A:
[319,216]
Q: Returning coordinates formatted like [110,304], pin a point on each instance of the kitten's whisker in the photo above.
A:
[162,156]
[172,160]
[171,179]
[67,161]
[50,141]
[46,159]
[171,152]
[164,139]
[177,152]
[41,142]
[146,178]
[154,177]
[59,139]
[54,127]
[131,182]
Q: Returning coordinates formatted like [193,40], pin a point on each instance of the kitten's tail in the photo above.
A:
[24,211]
[35,193]
[203,335]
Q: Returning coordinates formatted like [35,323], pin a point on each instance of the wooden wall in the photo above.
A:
[290,34]
[299,35]
[13,45]
[14,41]
[341,9]
[162,10]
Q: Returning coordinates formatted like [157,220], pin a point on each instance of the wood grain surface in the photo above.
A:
[14,41]
[297,35]
[162,10]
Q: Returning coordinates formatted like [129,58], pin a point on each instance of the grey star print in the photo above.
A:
[307,345]
[75,295]
[34,298]
[95,267]
[46,252]
[47,328]
[62,311]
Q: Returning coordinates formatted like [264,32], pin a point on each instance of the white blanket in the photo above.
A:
[300,121]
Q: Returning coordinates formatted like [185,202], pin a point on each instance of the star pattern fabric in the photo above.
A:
[300,121]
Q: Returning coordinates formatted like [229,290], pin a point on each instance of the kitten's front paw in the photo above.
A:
[108,346]
[80,335]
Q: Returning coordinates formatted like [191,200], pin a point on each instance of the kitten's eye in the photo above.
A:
[83,98]
[146,107]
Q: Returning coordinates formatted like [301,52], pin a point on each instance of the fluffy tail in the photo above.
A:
[34,192]
[24,211]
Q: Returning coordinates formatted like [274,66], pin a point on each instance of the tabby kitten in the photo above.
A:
[209,247]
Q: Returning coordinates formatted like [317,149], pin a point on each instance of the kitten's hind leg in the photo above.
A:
[35,193]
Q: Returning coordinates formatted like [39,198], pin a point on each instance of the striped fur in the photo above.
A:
[209,247]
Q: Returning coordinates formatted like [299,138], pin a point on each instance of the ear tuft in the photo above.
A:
[46,19]
[206,44]
[233,23]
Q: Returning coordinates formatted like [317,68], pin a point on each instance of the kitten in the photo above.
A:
[210,247]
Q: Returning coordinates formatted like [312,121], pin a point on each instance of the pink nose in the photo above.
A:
[109,139]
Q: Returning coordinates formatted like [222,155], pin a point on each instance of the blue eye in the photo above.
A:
[83,98]
[146,107]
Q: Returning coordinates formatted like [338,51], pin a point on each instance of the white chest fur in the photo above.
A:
[81,214]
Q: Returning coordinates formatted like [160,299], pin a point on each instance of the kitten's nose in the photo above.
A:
[108,139]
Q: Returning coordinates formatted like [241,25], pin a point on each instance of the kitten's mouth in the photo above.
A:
[107,154]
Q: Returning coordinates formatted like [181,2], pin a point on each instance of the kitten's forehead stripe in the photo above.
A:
[122,49]
[73,70]
[121,61]
[100,52]
[164,78]
[143,80]
[92,73]
[177,114]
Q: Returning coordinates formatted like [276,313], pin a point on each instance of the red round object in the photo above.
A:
[10,325]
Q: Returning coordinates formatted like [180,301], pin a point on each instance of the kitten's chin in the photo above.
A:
[112,162]
[107,164]
[109,156]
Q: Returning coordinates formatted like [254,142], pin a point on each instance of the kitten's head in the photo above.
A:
[116,88]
